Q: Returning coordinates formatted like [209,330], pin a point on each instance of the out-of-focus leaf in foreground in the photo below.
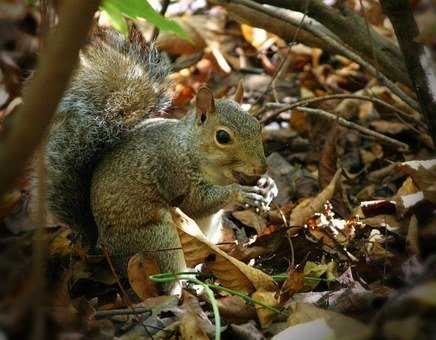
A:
[138,9]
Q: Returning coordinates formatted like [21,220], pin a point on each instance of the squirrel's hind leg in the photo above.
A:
[159,241]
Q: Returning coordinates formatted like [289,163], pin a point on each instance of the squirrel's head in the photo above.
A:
[231,139]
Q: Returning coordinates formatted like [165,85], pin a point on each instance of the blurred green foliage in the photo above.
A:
[118,10]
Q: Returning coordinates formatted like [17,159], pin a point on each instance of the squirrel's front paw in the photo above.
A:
[269,188]
[259,196]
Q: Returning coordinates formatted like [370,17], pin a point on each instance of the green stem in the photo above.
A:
[167,277]
[284,277]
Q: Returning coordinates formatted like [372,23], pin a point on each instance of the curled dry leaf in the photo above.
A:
[138,270]
[231,272]
[307,208]
[265,315]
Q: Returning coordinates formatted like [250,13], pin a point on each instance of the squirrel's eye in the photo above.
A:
[223,137]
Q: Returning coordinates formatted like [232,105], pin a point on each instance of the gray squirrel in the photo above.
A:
[115,170]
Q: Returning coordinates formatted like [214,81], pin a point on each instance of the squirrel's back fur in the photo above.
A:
[117,84]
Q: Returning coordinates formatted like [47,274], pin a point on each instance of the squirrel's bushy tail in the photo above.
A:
[117,84]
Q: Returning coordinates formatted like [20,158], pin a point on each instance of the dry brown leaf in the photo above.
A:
[392,128]
[293,283]
[369,156]
[300,122]
[190,328]
[138,270]
[424,175]
[194,323]
[8,202]
[407,188]
[251,219]
[255,36]
[265,315]
[375,247]
[235,310]
[327,163]
[412,239]
[366,109]
[60,245]
[306,209]
[385,221]
[231,272]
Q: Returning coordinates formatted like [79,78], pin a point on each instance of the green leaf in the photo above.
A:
[115,16]
[135,9]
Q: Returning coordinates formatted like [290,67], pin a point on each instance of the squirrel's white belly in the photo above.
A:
[211,226]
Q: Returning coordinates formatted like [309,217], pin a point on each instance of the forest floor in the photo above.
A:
[348,249]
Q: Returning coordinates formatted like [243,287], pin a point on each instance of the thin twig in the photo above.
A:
[125,297]
[165,4]
[311,100]
[351,125]
[29,125]
[340,46]
[291,244]
[371,40]
[39,250]
[101,314]
[348,26]
[284,63]
[39,246]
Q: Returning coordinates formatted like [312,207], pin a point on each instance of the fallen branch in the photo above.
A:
[41,98]
[351,125]
[312,100]
[283,29]
[417,57]
[351,29]
[344,50]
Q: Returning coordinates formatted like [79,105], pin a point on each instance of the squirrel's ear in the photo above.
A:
[239,94]
[205,103]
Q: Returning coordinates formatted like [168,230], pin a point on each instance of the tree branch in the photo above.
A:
[342,48]
[311,100]
[56,64]
[350,28]
[282,28]
[351,125]
[417,57]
